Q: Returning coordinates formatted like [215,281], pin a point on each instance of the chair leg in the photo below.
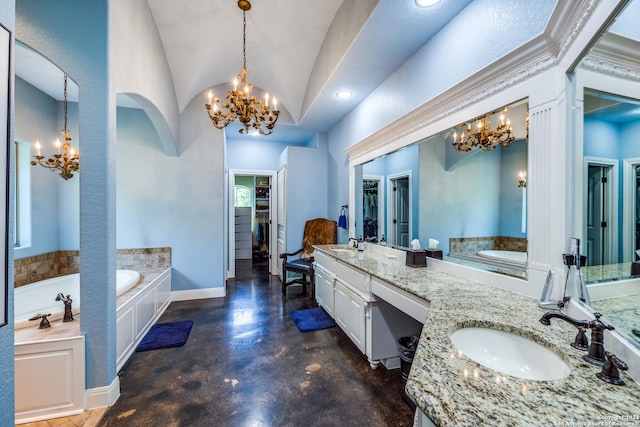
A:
[312,282]
[304,285]
[284,282]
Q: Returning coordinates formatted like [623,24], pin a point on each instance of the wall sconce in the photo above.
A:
[522,179]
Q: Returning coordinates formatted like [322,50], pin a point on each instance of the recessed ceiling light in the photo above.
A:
[344,94]
[426,3]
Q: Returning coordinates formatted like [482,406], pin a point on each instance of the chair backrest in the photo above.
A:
[319,231]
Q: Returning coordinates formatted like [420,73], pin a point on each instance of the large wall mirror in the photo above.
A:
[47,206]
[607,206]
[471,200]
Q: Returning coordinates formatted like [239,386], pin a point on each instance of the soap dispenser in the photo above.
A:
[382,241]
[360,244]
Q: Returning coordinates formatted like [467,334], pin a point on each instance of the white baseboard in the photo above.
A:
[102,396]
[198,294]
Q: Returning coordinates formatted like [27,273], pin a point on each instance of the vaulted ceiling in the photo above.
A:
[303,52]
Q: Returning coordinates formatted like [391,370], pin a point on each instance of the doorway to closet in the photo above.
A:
[251,238]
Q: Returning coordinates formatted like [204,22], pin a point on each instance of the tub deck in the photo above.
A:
[60,329]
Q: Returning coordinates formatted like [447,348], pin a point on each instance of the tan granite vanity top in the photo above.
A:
[453,390]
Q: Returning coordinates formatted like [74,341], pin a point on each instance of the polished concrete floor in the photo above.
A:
[246,364]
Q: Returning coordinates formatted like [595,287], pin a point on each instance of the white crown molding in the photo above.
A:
[531,59]
[614,55]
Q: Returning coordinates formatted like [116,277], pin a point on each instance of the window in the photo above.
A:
[22,191]
[243,196]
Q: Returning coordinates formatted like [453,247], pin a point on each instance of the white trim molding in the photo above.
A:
[100,397]
[192,294]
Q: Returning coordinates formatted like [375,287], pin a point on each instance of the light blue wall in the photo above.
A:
[38,25]
[405,160]
[172,201]
[306,190]
[7,407]
[258,153]
[463,201]
[630,142]
[35,114]
[601,139]
[616,142]
[55,203]
[513,159]
[426,74]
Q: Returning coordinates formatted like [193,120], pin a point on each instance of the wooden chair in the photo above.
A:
[317,231]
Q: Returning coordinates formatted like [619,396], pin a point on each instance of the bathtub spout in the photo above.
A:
[68,313]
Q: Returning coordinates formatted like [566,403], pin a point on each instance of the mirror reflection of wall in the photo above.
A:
[611,158]
[607,129]
[48,206]
[373,209]
[470,201]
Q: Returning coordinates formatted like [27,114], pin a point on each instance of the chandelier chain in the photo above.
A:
[65,103]
[244,39]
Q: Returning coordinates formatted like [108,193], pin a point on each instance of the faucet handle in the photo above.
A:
[581,342]
[610,373]
[599,324]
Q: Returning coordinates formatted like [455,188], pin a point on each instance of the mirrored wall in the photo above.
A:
[47,206]
[607,204]
[473,202]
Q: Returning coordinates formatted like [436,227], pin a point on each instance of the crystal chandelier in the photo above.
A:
[66,159]
[483,136]
[240,104]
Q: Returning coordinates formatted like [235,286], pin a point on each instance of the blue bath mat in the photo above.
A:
[311,319]
[165,335]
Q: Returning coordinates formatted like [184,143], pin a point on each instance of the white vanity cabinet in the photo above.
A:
[350,313]
[325,289]
[373,321]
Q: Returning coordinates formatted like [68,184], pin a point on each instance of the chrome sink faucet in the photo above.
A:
[596,355]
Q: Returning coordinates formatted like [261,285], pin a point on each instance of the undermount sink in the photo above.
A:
[509,354]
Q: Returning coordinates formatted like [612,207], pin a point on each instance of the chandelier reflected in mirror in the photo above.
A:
[482,135]
[254,115]
[65,160]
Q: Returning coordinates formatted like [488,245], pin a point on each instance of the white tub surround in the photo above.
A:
[50,363]
[137,313]
[509,257]
[453,390]
[40,297]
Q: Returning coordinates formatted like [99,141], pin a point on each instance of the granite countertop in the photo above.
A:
[60,329]
[453,390]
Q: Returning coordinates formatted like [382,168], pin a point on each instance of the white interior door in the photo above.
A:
[281,215]
[601,223]
[400,209]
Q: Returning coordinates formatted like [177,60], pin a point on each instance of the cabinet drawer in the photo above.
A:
[324,260]
[356,279]
[400,299]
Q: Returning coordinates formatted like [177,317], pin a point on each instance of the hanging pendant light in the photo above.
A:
[240,104]
[65,160]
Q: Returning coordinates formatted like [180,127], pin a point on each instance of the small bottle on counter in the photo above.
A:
[382,241]
[360,244]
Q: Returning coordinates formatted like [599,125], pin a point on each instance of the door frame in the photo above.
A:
[231,268]
[391,231]
[611,207]
[381,203]
[628,203]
